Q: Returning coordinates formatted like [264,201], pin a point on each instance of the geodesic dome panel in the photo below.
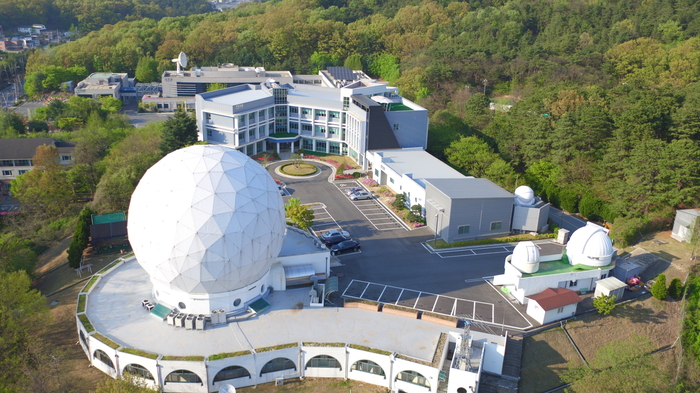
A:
[206,219]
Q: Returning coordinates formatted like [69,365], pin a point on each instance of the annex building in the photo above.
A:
[347,114]
[16,157]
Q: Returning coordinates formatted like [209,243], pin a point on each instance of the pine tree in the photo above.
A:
[178,131]
[659,289]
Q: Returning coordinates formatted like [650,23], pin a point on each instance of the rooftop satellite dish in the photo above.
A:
[181,61]
[227,389]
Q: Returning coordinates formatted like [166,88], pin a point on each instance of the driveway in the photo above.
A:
[398,258]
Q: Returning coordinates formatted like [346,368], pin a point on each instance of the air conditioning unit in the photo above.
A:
[171,318]
[180,320]
[222,316]
[189,322]
[199,323]
[214,317]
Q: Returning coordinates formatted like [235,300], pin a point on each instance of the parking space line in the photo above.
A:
[474,316]
[370,208]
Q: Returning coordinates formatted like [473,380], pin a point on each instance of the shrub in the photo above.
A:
[675,288]
[604,304]
[568,200]
[400,202]
[590,207]
[659,290]
[356,175]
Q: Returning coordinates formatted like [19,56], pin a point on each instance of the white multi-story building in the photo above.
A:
[348,114]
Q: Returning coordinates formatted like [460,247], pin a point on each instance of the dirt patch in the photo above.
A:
[54,257]
[650,318]
[545,357]
[664,246]
[316,385]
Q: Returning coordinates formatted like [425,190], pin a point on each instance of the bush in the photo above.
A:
[659,290]
[675,288]
[604,304]
[568,200]
[400,202]
[356,175]
[590,207]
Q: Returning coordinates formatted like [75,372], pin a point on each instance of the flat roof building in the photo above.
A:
[340,116]
[102,84]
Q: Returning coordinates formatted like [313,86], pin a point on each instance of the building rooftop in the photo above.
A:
[108,218]
[25,148]
[469,188]
[417,164]
[114,308]
[562,266]
[243,95]
[552,298]
[297,242]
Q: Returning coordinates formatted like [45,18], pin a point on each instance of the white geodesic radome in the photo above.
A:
[206,219]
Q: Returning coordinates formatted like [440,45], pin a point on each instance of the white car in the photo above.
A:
[335,232]
[360,195]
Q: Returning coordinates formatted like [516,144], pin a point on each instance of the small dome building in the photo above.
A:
[526,257]
[524,196]
[590,246]
[206,223]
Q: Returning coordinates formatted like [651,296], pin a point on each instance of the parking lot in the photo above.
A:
[395,266]
[372,210]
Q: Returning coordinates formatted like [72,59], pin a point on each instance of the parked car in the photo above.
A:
[345,246]
[360,195]
[333,240]
[334,232]
[353,190]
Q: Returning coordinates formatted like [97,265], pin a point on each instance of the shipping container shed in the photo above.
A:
[610,286]
[625,270]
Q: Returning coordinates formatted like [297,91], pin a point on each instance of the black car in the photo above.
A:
[345,246]
[332,240]
[353,190]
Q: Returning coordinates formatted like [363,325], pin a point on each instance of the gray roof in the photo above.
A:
[469,188]
[419,163]
[22,148]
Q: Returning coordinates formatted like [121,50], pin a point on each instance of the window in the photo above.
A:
[333,131]
[103,357]
[271,112]
[334,148]
[23,171]
[231,372]
[261,115]
[391,179]
[7,173]
[368,366]
[261,130]
[602,276]
[181,305]
[7,163]
[236,302]
[560,310]
[251,117]
[278,364]
[305,111]
[183,376]
[66,158]
[251,133]
[306,127]
[346,103]
[334,115]
[413,377]
[293,109]
[293,126]
[166,106]
[321,130]
[323,361]
[573,283]
[376,172]
[23,162]
[249,150]
[241,120]
[463,230]
[320,146]
[320,113]
[307,144]
[396,126]
[496,225]
[209,133]
[241,137]
[139,371]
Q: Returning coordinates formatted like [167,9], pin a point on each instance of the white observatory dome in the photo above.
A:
[526,257]
[206,220]
[590,246]
[524,196]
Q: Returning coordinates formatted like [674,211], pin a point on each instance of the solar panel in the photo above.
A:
[341,73]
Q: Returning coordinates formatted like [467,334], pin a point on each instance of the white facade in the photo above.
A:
[546,316]
[684,224]
[329,120]
[206,223]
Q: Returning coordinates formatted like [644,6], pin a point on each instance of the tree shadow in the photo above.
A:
[637,313]
[539,363]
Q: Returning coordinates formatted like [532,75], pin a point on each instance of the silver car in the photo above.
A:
[360,195]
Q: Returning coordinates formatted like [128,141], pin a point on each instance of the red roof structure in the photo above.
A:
[552,298]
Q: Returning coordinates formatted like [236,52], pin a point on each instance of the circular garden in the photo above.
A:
[298,169]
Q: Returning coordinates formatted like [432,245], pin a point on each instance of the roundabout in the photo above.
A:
[299,169]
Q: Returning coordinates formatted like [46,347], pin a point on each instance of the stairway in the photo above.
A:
[511,362]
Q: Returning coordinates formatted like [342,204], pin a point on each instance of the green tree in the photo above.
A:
[354,62]
[299,214]
[81,237]
[178,131]
[45,188]
[111,104]
[659,289]
[604,304]
[675,288]
[216,86]
[472,155]
[147,70]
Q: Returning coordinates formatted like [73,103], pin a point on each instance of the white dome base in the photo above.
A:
[204,303]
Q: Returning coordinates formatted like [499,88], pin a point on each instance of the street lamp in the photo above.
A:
[485,82]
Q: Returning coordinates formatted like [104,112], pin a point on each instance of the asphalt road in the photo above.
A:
[399,258]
